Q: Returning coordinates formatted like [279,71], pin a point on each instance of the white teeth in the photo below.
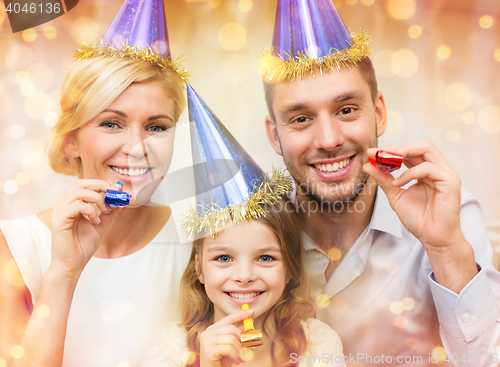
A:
[130,172]
[329,168]
[244,295]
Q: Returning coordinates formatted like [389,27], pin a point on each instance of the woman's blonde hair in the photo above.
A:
[197,310]
[93,84]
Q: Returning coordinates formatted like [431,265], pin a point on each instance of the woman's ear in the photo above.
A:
[199,272]
[70,146]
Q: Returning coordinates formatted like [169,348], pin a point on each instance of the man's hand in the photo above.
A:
[430,209]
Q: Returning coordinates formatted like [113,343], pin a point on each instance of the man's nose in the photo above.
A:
[328,134]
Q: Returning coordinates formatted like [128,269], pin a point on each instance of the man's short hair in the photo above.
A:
[364,66]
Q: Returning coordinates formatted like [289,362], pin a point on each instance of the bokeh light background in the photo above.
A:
[437,62]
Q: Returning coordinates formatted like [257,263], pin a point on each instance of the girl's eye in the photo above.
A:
[266,258]
[109,124]
[223,258]
[156,129]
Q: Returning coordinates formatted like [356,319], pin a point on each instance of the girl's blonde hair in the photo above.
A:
[197,310]
[93,84]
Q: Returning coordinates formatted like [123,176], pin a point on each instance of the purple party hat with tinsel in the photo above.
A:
[309,34]
[230,186]
[139,31]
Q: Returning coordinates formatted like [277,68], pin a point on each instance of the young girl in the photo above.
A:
[259,263]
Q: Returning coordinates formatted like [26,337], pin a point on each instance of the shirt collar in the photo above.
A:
[385,219]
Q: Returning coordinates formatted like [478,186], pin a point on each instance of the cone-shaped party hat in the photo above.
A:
[308,34]
[139,31]
[230,186]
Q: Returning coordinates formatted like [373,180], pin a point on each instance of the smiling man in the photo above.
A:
[397,272]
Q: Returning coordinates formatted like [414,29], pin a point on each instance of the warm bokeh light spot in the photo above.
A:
[489,119]
[23,178]
[85,30]
[495,350]
[27,89]
[400,321]
[496,54]
[123,364]
[334,254]
[22,77]
[37,105]
[3,362]
[245,5]
[246,354]
[232,36]
[19,58]
[17,131]
[29,35]
[10,187]
[438,354]
[415,31]
[486,21]
[189,358]
[404,63]
[444,52]
[49,32]
[214,4]
[453,135]
[408,303]
[351,2]
[469,117]
[368,2]
[396,125]
[458,97]
[50,118]
[382,63]
[43,311]
[322,301]
[3,15]
[401,9]
[396,308]
[17,352]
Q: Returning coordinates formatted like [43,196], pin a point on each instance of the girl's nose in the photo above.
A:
[244,273]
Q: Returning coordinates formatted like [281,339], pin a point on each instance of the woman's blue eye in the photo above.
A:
[266,258]
[223,258]
[108,124]
[156,129]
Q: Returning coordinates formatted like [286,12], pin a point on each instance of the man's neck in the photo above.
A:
[330,228]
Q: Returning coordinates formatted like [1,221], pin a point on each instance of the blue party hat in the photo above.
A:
[308,34]
[230,186]
[139,31]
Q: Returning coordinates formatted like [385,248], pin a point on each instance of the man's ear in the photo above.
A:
[70,146]
[381,114]
[199,273]
[272,134]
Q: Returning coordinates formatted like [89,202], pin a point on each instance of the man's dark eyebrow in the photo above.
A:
[356,94]
[291,108]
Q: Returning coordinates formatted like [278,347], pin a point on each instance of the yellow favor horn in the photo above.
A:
[250,337]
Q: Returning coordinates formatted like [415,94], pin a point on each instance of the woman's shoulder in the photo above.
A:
[322,341]
[168,348]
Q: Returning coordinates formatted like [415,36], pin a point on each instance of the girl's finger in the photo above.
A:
[234,318]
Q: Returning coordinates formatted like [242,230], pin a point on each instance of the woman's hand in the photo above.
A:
[220,343]
[79,222]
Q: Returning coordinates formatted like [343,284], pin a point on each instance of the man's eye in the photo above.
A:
[266,258]
[223,258]
[301,120]
[346,111]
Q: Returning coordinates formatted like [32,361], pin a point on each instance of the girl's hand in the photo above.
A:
[79,222]
[220,343]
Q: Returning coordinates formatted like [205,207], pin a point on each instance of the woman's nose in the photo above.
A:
[135,144]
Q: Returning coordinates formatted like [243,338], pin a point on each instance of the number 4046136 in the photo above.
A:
[33,8]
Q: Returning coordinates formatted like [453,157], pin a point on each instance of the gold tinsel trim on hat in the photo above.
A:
[270,191]
[275,69]
[146,54]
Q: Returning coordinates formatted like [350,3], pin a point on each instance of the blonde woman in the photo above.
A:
[98,282]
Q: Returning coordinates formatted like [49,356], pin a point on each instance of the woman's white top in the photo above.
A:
[119,304]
